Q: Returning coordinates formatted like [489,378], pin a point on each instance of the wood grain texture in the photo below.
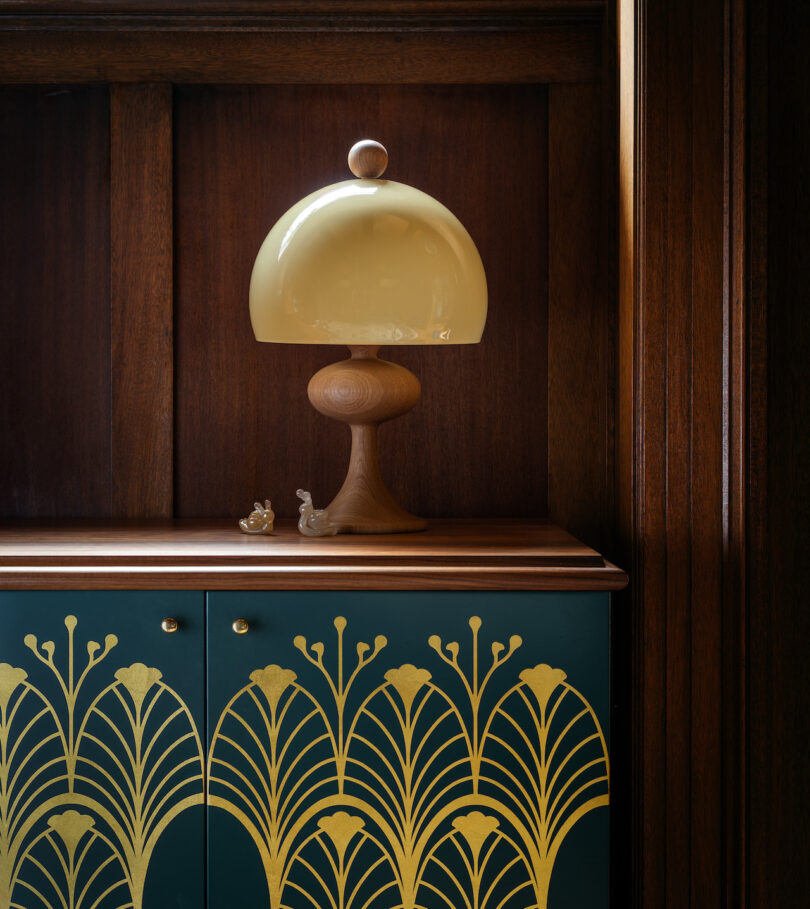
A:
[365,391]
[674,407]
[710,468]
[763,842]
[216,555]
[234,56]
[54,292]
[368,159]
[736,549]
[245,155]
[315,8]
[141,300]
[579,337]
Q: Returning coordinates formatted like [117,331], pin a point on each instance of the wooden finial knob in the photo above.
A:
[367,159]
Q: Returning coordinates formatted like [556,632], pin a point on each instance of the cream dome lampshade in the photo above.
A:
[366,263]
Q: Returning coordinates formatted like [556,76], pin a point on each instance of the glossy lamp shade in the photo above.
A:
[368,261]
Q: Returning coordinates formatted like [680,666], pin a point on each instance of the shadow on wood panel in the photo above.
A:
[54,302]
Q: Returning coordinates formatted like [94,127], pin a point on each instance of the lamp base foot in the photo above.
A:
[354,511]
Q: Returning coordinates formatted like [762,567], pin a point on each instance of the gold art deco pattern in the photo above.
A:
[86,791]
[404,793]
[395,795]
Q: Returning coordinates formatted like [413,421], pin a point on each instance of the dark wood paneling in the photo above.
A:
[779,629]
[763,841]
[328,10]
[236,56]
[676,314]
[476,443]
[627,748]
[735,581]
[141,300]
[578,319]
[54,293]
[709,458]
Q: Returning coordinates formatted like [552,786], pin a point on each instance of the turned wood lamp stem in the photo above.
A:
[365,391]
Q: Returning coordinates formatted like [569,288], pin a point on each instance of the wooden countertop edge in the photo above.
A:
[307,564]
[213,555]
[316,577]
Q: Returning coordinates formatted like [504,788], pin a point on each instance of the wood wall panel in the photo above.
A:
[476,444]
[317,11]
[736,589]
[328,52]
[680,522]
[709,460]
[579,320]
[54,302]
[141,300]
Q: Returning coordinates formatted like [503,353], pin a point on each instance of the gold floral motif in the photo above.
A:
[71,827]
[11,677]
[542,680]
[407,680]
[341,827]
[68,876]
[476,827]
[138,679]
[273,681]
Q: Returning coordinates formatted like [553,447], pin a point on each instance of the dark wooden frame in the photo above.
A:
[712,435]
[684,425]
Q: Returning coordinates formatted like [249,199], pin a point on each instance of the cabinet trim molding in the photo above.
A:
[172,555]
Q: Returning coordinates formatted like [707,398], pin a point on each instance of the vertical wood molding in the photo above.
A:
[578,316]
[680,443]
[738,305]
[141,300]
[764,844]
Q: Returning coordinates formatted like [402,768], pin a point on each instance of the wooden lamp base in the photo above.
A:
[365,391]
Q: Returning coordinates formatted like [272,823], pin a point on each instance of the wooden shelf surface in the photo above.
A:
[215,555]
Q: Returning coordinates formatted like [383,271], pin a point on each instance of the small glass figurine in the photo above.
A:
[260,520]
[314,522]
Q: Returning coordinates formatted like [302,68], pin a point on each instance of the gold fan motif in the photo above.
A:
[426,788]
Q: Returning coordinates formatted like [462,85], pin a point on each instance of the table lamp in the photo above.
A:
[367,263]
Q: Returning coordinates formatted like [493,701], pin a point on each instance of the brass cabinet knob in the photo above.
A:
[240,626]
[169,625]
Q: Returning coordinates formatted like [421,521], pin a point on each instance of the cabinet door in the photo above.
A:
[101,759]
[408,749]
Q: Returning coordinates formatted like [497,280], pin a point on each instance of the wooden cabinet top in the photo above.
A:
[215,555]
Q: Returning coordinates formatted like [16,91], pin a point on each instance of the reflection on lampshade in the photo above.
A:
[368,262]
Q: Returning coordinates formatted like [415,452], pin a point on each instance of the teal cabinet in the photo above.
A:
[370,750]
[101,750]
[363,750]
